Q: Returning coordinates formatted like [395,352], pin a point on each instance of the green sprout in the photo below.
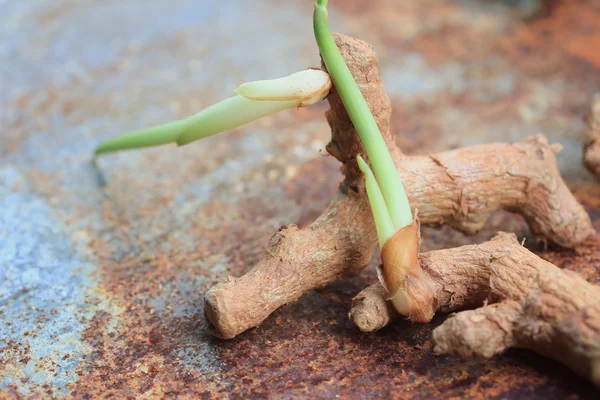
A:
[383,222]
[254,100]
[389,204]
[388,185]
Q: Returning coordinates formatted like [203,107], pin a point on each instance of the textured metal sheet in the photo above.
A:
[102,271]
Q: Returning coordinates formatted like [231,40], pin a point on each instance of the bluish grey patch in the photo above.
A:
[184,294]
[11,180]
[43,284]
[248,150]
[94,35]
[413,77]
[197,356]
[187,298]
[97,42]
[509,9]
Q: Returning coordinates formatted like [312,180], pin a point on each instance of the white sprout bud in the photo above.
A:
[306,87]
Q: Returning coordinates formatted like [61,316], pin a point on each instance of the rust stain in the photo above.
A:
[570,28]
[312,186]
[158,251]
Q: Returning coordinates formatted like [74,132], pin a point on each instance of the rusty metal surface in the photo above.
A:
[102,270]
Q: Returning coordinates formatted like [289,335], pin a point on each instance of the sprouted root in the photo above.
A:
[532,303]
[525,302]
[525,179]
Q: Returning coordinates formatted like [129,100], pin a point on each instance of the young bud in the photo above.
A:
[306,87]
[410,289]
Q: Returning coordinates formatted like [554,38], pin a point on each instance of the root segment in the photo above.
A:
[527,303]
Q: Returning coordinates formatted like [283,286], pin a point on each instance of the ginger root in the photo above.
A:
[533,305]
[536,306]
[460,278]
[461,188]
[591,140]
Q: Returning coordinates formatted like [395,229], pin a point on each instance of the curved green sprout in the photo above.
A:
[387,175]
[229,114]
[225,115]
[254,101]
[383,222]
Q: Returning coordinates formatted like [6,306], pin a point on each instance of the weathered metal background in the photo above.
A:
[102,271]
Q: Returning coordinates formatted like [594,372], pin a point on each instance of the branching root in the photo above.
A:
[524,302]
[461,188]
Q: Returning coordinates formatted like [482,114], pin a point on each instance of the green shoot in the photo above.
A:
[229,114]
[225,115]
[383,222]
[385,171]
[254,100]
[155,136]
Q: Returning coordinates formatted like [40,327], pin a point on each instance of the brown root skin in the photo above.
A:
[460,279]
[591,141]
[371,310]
[461,188]
[533,305]
[539,307]
[296,261]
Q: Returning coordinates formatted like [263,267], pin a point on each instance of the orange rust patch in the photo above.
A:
[310,347]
